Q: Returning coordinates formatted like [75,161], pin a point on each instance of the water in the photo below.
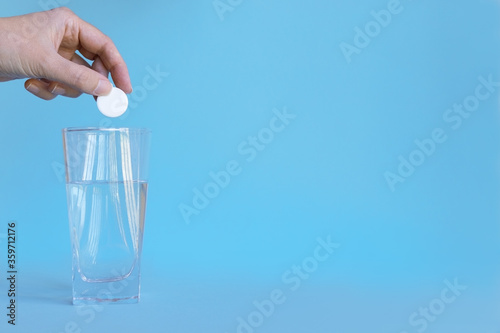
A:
[106,225]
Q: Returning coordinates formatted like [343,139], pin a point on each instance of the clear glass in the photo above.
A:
[106,184]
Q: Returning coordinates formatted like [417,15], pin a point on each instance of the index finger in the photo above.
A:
[94,41]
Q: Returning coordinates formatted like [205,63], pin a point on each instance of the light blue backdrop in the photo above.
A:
[366,86]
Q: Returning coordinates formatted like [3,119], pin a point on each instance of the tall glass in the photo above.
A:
[106,184]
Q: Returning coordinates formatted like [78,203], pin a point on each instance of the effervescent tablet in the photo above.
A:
[114,104]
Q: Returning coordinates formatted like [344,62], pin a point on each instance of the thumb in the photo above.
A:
[78,76]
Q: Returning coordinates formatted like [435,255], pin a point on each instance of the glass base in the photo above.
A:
[122,290]
[94,301]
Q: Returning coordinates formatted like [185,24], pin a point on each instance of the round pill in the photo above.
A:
[114,104]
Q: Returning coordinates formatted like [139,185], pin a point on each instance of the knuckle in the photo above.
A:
[63,11]
[106,46]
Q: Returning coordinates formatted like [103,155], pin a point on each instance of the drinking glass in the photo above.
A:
[106,185]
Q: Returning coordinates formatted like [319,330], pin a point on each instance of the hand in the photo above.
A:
[41,46]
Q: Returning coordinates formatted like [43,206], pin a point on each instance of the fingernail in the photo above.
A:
[32,88]
[58,90]
[103,88]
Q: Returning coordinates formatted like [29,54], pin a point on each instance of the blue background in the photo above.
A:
[323,175]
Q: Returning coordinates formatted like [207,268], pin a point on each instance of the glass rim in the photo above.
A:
[106,129]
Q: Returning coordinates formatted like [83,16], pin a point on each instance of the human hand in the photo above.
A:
[41,46]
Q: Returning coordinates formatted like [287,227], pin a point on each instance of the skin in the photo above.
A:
[41,47]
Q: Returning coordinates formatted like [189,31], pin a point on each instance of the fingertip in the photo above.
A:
[125,86]
[56,89]
[32,89]
[28,85]
[39,89]
[60,89]
[103,88]
[128,90]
